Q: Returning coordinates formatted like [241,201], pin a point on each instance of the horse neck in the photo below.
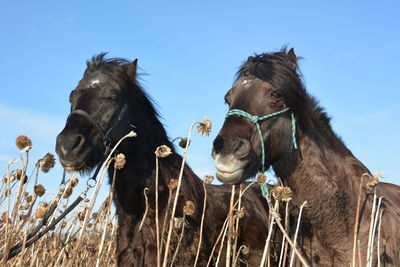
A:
[326,175]
[140,172]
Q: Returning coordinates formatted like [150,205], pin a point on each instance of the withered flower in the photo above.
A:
[40,212]
[18,175]
[47,162]
[261,178]
[23,216]
[39,190]
[282,193]
[68,192]
[173,184]
[183,142]
[240,213]
[374,180]
[189,208]
[82,214]
[28,198]
[208,179]
[23,143]
[74,181]
[119,161]
[163,151]
[204,127]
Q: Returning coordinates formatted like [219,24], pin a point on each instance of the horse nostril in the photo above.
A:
[78,143]
[218,144]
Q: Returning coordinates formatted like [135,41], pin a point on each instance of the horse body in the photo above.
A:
[107,85]
[321,171]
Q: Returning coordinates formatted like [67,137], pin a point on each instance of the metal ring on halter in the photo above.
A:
[90,184]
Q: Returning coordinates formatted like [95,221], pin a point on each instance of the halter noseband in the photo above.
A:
[255,120]
[107,136]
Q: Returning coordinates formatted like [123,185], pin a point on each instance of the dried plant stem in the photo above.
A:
[370,235]
[107,212]
[379,240]
[157,225]
[165,218]
[179,240]
[356,221]
[201,225]
[146,209]
[230,226]
[222,243]
[171,222]
[371,245]
[282,258]
[111,240]
[237,219]
[237,255]
[297,232]
[267,241]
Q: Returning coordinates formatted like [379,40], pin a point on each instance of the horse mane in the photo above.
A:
[277,69]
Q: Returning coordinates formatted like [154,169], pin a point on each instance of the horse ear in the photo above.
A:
[292,58]
[131,68]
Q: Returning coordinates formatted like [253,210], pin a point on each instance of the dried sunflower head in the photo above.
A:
[23,143]
[119,161]
[374,180]
[163,151]
[204,127]
[73,182]
[19,174]
[261,178]
[240,213]
[173,184]
[189,208]
[282,193]
[208,179]
[40,212]
[39,190]
[183,143]
[68,192]
[47,162]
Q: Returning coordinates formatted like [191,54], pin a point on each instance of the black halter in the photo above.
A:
[107,136]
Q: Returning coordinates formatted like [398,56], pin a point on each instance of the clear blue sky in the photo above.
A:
[190,52]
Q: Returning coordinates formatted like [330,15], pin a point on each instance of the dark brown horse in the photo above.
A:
[110,95]
[309,157]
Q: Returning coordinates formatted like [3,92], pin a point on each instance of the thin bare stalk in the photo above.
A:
[171,222]
[356,221]
[282,257]
[237,219]
[296,233]
[166,218]
[147,208]
[179,240]
[230,226]
[370,228]
[378,249]
[374,230]
[238,254]
[201,225]
[157,225]
[222,245]
[267,241]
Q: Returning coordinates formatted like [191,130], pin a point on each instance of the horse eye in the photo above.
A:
[276,94]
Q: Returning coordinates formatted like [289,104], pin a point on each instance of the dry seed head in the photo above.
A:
[173,184]
[208,179]
[25,194]
[63,224]
[245,250]
[39,190]
[44,204]
[189,208]
[82,214]
[68,192]
[40,212]
[18,175]
[204,127]
[261,178]
[23,143]
[95,216]
[183,142]
[28,198]
[73,182]
[373,181]
[7,192]
[3,218]
[163,151]
[23,216]
[47,162]
[282,193]
[119,161]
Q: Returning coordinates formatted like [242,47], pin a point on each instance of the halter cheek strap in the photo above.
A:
[255,120]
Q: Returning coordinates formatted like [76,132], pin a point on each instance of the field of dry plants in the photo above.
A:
[86,237]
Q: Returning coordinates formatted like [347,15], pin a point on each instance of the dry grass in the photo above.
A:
[87,237]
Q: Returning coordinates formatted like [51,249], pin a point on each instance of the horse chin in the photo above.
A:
[230,177]
[82,164]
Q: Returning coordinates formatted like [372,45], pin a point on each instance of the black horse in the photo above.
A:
[105,105]
[273,121]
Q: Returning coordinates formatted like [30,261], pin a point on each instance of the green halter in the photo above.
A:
[256,119]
